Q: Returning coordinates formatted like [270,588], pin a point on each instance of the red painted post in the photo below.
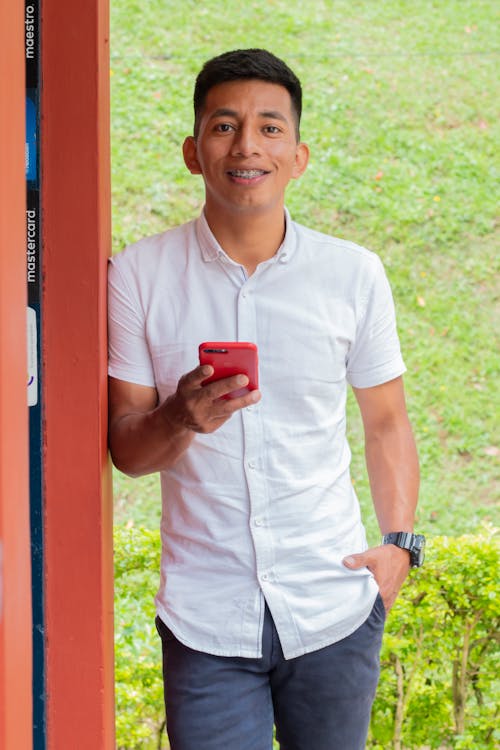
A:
[76,244]
[15,577]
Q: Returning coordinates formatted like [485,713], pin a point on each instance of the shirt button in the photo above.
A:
[258,521]
[264,577]
[284,258]
[251,464]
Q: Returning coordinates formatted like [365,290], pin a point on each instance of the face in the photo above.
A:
[246,148]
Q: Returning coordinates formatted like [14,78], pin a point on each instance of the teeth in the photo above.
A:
[247,173]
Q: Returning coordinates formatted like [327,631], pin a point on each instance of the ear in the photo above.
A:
[190,155]
[301,160]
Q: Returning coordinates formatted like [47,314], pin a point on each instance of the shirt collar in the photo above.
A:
[211,250]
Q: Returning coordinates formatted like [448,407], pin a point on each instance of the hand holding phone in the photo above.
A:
[230,358]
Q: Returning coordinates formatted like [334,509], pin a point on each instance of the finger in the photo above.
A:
[201,373]
[389,596]
[220,388]
[354,562]
[247,399]
[222,408]
[387,603]
[195,378]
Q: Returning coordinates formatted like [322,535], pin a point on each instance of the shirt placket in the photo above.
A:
[253,450]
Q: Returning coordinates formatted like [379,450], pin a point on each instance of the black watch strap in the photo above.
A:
[413,543]
[403,539]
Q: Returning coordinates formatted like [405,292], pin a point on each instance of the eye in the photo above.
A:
[272,129]
[224,127]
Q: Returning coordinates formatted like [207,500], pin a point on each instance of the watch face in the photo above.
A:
[418,551]
[413,543]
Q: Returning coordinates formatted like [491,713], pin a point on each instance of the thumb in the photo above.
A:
[355,561]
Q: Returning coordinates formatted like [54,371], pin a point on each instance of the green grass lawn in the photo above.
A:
[401,115]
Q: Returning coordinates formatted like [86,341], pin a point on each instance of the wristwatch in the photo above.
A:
[414,543]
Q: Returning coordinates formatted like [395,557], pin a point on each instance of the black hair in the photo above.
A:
[240,64]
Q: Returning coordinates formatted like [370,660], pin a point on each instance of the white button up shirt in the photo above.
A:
[263,509]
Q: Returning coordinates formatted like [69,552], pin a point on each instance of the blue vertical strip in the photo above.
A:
[35,374]
[37,563]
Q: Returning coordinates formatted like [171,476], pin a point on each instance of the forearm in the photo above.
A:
[145,437]
[143,443]
[391,458]
[393,470]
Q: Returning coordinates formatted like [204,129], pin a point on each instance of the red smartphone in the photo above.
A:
[231,358]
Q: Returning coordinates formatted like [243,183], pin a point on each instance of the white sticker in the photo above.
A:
[32,358]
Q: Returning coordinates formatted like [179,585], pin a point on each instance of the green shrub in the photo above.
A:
[138,680]
[440,659]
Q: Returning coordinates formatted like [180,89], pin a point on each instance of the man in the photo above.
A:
[270,607]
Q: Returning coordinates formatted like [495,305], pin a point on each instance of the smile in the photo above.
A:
[247,174]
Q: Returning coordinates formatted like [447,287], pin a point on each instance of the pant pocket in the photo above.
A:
[380,607]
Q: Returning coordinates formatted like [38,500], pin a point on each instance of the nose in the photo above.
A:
[245,142]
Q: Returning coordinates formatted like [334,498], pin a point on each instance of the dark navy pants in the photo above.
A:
[318,701]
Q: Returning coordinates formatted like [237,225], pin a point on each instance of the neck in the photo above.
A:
[248,238]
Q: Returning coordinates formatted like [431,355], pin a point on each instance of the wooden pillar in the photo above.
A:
[15,579]
[77,493]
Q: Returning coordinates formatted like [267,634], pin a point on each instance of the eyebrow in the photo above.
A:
[267,114]
[274,115]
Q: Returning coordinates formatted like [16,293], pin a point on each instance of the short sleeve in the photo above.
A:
[375,355]
[129,357]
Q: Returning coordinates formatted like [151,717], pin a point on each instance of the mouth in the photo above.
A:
[247,174]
